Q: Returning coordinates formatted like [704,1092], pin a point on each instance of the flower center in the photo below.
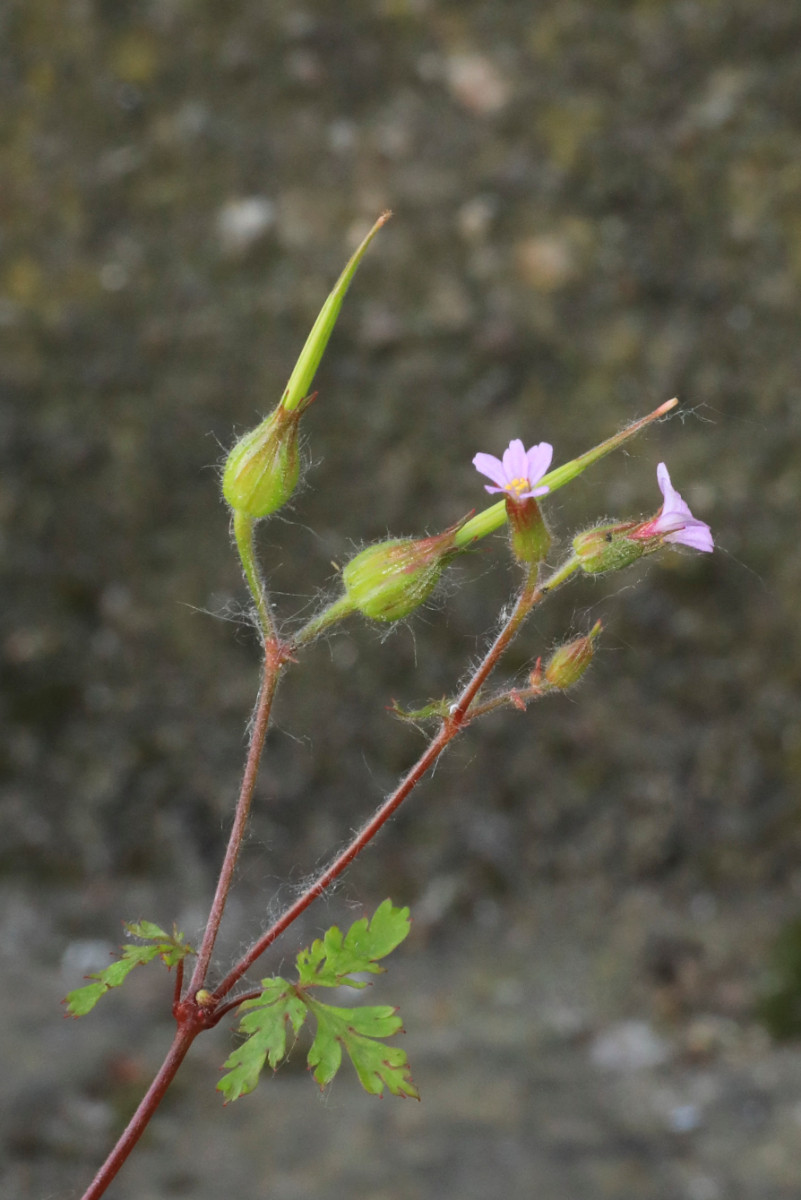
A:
[518,486]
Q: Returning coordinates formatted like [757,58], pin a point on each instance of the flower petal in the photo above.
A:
[514,461]
[538,460]
[663,479]
[698,536]
[675,522]
[492,467]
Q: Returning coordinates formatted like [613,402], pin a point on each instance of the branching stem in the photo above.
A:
[192,1015]
[451,725]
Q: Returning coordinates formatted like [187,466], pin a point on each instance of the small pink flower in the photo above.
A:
[674,522]
[518,473]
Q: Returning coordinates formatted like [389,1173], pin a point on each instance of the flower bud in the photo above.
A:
[262,470]
[529,534]
[390,580]
[567,664]
[607,548]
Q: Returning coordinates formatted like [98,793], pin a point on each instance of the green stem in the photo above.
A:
[329,616]
[561,574]
[243,533]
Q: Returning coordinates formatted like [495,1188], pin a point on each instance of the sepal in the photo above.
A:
[569,662]
[262,470]
[607,548]
[527,530]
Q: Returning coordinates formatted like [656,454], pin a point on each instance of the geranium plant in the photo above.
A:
[385,582]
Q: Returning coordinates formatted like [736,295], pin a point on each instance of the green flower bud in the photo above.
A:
[390,580]
[262,470]
[528,531]
[607,548]
[567,664]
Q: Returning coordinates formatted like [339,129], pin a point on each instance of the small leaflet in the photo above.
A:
[170,948]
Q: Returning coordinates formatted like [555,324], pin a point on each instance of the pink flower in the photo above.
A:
[519,471]
[674,522]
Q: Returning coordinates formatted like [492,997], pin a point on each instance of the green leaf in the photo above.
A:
[378,1066]
[331,961]
[170,948]
[265,1024]
[82,1000]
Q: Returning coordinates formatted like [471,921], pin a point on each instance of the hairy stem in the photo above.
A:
[261,721]
[192,1018]
[244,528]
[530,594]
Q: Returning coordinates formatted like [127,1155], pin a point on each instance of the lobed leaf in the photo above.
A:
[356,1029]
[82,1000]
[265,1023]
[331,962]
[328,962]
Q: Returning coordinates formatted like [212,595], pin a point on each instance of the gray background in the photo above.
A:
[596,208]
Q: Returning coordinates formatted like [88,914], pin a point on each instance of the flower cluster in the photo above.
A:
[607,547]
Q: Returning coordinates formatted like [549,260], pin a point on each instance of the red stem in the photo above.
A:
[184,1037]
[191,1017]
[528,597]
[179,983]
[261,719]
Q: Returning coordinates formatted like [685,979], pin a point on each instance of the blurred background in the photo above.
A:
[596,208]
